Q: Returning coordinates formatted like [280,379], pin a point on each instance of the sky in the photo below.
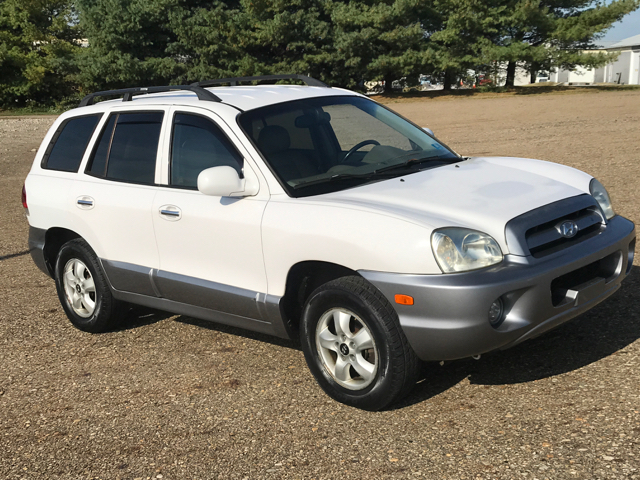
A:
[627,27]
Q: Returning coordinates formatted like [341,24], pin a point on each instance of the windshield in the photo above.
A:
[326,144]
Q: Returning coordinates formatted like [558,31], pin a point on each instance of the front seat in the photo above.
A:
[274,142]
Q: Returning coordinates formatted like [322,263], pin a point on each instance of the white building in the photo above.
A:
[625,70]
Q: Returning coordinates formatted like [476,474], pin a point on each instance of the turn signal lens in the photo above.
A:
[404,299]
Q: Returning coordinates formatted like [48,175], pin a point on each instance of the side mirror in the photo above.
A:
[429,131]
[225,182]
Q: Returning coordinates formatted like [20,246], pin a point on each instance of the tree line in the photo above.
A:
[57,50]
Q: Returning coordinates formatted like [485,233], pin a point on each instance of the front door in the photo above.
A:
[210,247]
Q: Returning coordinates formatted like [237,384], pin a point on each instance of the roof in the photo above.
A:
[244,97]
[627,42]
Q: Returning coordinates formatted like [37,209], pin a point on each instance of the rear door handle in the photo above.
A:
[170,212]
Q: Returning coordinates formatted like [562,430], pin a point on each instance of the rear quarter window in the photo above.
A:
[66,149]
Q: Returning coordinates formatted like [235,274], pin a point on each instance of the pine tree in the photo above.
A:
[129,43]
[553,33]
[136,42]
[39,40]
[458,32]
[376,40]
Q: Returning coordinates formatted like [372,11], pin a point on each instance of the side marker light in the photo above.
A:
[404,299]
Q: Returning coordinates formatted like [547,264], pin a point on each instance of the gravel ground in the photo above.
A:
[172,397]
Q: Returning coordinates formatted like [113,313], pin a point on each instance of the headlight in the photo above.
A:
[461,249]
[602,197]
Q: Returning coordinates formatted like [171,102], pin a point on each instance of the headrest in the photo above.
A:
[308,120]
[273,139]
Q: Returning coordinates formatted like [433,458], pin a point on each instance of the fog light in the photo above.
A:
[630,255]
[495,313]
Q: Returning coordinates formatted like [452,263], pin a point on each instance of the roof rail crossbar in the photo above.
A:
[233,81]
[128,93]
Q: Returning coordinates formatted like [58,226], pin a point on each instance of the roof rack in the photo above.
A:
[233,81]
[129,92]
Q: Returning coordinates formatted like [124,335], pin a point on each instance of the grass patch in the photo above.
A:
[18,112]
[31,109]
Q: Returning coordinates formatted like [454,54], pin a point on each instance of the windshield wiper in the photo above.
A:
[410,163]
[333,178]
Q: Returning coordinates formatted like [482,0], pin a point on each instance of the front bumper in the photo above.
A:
[449,319]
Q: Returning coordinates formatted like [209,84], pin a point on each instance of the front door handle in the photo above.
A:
[84,202]
[170,212]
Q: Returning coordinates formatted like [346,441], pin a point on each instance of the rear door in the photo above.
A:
[113,197]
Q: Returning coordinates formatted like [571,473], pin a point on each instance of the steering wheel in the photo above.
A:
[357,147]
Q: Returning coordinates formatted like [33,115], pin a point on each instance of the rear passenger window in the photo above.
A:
[198,144]
[67,147]
[127,148]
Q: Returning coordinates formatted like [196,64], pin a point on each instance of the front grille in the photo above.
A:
[537,233]
[546,239]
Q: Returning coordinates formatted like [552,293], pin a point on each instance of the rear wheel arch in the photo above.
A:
[55,238]
[303,278]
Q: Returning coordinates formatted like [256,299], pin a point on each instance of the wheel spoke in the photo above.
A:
[328,340]
[88,285]
[342,369]
[364,368]
[363,340]
[88,303]
[76,301]
[341,321]
[80,269]
[69,289]
[69,277]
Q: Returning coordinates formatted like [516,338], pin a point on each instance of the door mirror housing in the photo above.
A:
[224,181]
[429,131]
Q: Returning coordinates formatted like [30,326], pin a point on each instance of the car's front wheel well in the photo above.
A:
[55,238]
[302,280]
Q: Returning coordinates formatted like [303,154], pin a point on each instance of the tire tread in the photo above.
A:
[405,364]
[108,313]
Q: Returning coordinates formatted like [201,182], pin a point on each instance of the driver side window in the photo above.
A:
[197,144]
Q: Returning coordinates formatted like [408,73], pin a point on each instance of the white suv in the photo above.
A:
[314,212]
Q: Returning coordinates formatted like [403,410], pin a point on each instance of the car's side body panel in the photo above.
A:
[216,239]
[118,225]
[297,230]
[193,296]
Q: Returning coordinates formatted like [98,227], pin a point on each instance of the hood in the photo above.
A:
[482,193]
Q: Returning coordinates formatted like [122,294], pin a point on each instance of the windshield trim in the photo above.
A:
[294,192]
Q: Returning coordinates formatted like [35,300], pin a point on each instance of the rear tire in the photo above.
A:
[83,289]
[354,345]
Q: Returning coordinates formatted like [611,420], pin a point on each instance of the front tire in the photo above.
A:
[83,289]
[354,345]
